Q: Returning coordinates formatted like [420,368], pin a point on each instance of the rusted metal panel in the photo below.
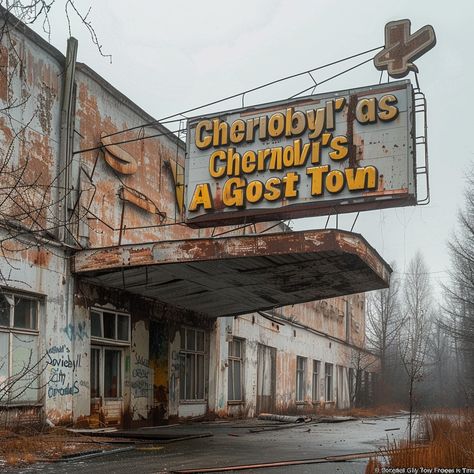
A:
[236,275]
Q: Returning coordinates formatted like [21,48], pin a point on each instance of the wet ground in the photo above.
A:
[233,444]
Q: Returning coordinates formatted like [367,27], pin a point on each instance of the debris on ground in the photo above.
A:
[50,444]
[284,418]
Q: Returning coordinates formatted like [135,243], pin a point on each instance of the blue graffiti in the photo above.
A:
[73,332]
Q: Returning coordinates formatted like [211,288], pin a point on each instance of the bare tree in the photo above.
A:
[361,391]
[384,322]
[413,341]
[459,293]
[30,188]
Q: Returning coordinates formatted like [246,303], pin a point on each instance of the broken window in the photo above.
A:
[19,364]
[234,392]
[300,378]
[110,334]
[329,382]
[316,368]
[192,371]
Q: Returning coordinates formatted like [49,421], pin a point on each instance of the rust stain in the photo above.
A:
[45,100]
[40,257]
[3,73]
[351,108]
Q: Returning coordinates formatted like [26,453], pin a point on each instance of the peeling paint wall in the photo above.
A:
[30,92]
[291,339]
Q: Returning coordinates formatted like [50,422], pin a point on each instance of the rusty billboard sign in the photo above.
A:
[337,152]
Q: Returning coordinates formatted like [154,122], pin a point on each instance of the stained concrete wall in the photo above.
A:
[34,264]
[291,339]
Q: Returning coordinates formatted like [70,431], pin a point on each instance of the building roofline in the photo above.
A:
[122,98]
[34,37]
[31,35]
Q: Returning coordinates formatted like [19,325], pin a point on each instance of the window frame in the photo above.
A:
[120,385]
[195,355]
[103,344]
[12,331]
[232,359]
[300,384]
[315,381]
[329,382]
[101,340]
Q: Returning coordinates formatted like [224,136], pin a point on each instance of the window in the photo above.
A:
[110,335]
[351,385]
[111,326]
[191,375]
[328,377]
[19,365]
[316,368]
[300,378]
[234,392]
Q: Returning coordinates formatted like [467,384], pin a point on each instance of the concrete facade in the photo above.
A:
[95,355]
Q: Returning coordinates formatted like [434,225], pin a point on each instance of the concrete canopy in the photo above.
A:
[237,275]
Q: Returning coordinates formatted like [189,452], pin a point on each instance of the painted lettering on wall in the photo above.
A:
[141,376]
[77,331]
[65,362]
[61,367]
[63,391]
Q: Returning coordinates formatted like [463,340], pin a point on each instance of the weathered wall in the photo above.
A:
[30,99]
[343,318]
[290,341]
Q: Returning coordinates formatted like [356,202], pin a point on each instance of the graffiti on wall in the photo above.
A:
[76,332]
[61,366]
[140,383]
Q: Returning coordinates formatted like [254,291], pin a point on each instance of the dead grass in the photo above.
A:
[443,441]
[382,410]
[21,448]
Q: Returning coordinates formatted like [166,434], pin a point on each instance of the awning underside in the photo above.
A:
[238,275]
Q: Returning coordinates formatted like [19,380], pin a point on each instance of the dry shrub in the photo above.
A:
[448,442]
[377,411]
[25,450]
[17,449]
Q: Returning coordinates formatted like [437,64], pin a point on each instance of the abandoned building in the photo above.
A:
[113,310]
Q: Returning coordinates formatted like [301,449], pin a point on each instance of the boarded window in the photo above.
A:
[300,378]
[234,392]
[315,390]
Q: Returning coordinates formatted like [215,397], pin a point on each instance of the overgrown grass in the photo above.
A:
[442,441]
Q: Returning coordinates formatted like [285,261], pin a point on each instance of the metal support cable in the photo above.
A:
[276,81]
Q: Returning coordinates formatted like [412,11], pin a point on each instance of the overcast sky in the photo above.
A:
[171,56]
